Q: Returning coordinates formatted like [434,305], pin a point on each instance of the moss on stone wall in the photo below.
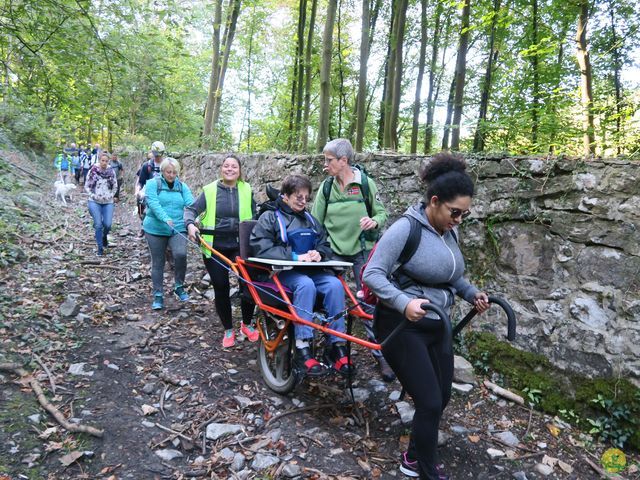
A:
[607,407]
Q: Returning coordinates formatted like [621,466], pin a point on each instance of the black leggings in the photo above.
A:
[220,281]
[425,371]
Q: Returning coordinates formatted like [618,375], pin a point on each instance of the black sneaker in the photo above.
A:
[409,467]
[307,364]
[336,356]
[385,370]
[105,241]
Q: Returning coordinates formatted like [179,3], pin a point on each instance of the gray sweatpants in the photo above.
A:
[157,247]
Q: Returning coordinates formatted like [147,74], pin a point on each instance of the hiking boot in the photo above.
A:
[158,301]
[181,293]
[336,356]
[100,252]
[250,332]
[229,339]
[307,364]
[385,370]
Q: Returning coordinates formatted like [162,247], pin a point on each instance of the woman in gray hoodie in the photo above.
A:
[422,361]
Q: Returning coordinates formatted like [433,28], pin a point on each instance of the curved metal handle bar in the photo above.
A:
[511,317]
[425,306]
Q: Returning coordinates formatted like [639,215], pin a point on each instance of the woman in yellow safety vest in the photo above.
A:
[223,204]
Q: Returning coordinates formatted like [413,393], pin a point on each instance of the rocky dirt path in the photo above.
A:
[173,404]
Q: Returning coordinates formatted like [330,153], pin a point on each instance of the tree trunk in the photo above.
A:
[385,85]
[295,113]
[585,79]
[447,122]
[89,129]
[213,78]
[307,77]
[431,98]
[341,94]
[617,67]
[479,137]
[394,76]
[362,79]
[325,75]
[232,21]
[421,61]
[461,70]
[535,108]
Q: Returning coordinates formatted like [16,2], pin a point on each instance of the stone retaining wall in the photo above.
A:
[557,237]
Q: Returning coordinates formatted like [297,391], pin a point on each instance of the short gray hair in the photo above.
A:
[170,162]
[340,147]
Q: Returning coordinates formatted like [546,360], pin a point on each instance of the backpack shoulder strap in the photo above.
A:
[413,240]
[365,191]
[326,188]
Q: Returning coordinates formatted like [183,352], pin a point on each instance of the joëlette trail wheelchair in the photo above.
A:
[276,315]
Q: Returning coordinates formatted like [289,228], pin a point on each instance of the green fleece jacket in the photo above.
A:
[341,216]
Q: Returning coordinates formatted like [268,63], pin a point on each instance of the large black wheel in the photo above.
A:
[276,363]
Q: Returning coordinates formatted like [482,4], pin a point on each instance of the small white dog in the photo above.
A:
[63,190]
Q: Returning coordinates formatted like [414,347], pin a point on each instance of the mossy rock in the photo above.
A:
[612,403]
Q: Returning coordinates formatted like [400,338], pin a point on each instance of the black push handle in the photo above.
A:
[426,307]
[511,317]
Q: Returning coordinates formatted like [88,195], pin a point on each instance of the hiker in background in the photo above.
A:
[348,207]
[76,166]
[291,233]
[421,358]
[119,169]
[85,161]
[62,163]
[101,185]
[164,228]
[225,203]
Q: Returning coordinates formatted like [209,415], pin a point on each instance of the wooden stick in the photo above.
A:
[169,430]
[44,367]
[298,410]
[42,399]
[503,392]
[601,472]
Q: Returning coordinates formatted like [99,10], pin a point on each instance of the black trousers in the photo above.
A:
[425,370]
[220,281]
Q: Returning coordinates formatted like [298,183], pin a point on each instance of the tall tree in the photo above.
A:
[535,68]
[461,71]
[432,94]
[307,76]
[366,39]
[215,73]
[617,69]
[586,80]
[394,75]
[295,110]
[421,62]
[479,137]
[325,75]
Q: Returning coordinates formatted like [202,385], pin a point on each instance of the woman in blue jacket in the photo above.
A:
[166,198]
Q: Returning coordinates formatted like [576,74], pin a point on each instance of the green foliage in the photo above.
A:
[609,406]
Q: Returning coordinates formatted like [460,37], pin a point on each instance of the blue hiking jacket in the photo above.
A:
[165,204]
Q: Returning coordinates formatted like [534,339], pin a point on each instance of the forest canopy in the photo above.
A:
[519,76]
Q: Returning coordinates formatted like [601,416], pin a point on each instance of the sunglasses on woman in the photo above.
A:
[456,212]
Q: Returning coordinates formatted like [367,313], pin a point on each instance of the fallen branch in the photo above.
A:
[176,433]
[44,367]
[298,410]
[503,392]
[505,444]
[601,471]
[42,399]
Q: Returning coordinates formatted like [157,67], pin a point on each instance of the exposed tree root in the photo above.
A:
[42,399]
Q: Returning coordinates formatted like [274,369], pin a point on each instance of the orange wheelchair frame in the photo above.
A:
[275,325]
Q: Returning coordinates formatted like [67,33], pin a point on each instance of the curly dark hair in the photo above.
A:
[294,183]
[447,178]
